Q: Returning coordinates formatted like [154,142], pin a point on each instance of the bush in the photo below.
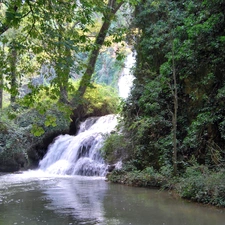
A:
[114,148]
[145,178]
[100,100]
[201,185]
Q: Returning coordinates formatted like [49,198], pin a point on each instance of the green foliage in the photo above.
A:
[100,100]
[146,178]
[28,129]
[107,68]
[59,43]
[201,185]
[148,123]
[50,121]
[12,140]
[44,109]
[36,130]
[170,40]
[114,148]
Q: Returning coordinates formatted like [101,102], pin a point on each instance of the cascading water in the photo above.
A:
[80,154]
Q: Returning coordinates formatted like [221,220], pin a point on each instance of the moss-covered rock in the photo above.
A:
[12,154]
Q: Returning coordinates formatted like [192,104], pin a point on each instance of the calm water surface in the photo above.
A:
[33,198]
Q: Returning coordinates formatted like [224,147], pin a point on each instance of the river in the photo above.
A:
[69,188]
[35,198]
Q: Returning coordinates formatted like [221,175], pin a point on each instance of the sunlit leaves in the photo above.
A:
[37,130]
[50,121]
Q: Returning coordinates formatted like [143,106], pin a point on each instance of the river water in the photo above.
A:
[35,198]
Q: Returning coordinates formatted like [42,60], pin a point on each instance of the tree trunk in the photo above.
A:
[64,73]
[1,90]
[113,7]
[14,86]
[2,66]
[174,120]
[63,66]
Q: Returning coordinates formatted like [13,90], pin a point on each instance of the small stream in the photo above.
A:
[35,198]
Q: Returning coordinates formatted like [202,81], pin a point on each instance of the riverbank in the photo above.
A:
[197,183]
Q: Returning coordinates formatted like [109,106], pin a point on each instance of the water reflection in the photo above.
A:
[42,199]
[80,197]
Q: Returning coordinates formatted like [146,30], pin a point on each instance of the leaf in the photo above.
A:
[37,130]
[50,121]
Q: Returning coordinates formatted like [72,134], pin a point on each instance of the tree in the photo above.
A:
[52,29]
[13,73]
[174,113]
[172,61]
[56,31]
[108,15]
[60,40]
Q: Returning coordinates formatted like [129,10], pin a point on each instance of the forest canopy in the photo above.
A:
[58,40]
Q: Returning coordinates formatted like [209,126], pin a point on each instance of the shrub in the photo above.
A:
[201,185]
[100,100]
[145,178]
[114,148]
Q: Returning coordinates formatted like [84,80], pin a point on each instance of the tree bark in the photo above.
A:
[63,68]
[65,77]
[2,65]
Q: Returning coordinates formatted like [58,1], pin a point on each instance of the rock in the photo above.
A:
[20,159]
[9,166]
[111,168]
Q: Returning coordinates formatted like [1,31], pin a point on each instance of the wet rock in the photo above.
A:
[111,168]
[20,159]
[9,166]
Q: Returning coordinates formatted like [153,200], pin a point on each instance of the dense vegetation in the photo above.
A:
[44,47]
[171,41]
[25,137]
[174,119]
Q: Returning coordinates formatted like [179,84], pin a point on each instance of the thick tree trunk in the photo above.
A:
[113,7]
[86,78]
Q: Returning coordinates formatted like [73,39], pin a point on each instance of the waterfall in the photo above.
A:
[126,79]
[80,154]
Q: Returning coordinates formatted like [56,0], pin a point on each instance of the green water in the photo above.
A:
[33,198]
